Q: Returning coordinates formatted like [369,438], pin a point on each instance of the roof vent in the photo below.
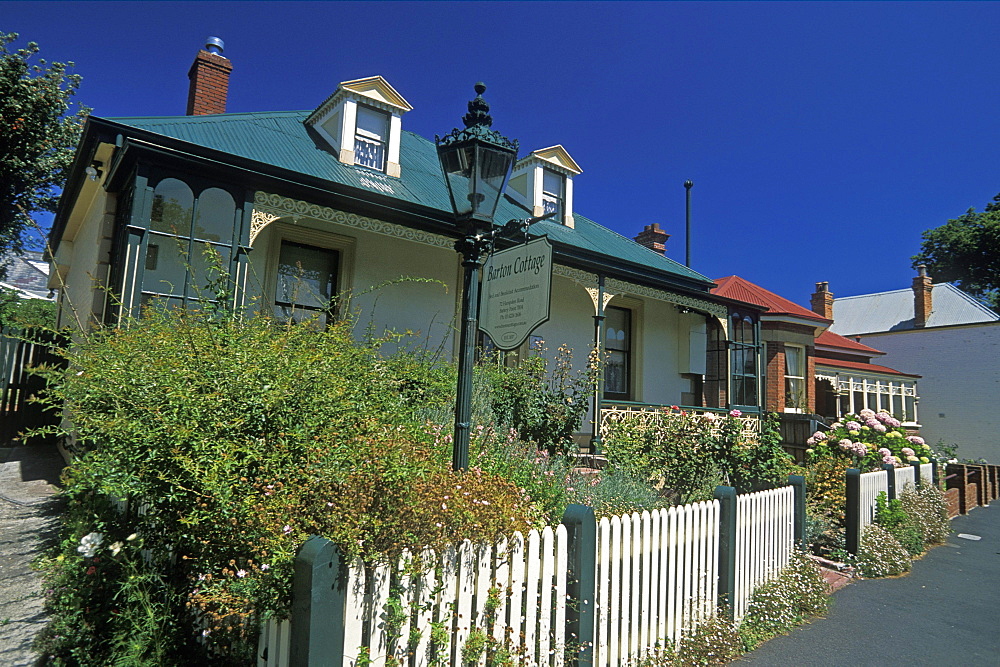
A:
[215,45]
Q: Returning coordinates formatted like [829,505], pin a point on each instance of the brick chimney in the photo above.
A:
[922,305]
[822,300]
[653,238]
[209,75]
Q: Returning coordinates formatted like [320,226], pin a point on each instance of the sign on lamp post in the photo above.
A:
[516,293]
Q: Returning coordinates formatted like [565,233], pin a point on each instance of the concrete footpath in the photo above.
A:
[946,611]
[29,476]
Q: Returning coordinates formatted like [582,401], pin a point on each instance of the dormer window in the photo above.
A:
[553,193]
[371,138]
[362,124]
[543,183]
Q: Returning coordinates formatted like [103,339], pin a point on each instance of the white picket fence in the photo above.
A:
[927,473]
[656,577]
[904,476]
[765,540]
[872,484]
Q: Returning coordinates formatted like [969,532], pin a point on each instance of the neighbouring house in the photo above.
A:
[27,275]
[343,198]
[814,375]
[952,341]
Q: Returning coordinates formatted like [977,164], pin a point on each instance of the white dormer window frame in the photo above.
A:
[343,121]
[543,183]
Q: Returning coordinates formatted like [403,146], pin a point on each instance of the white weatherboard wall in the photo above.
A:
[959,386]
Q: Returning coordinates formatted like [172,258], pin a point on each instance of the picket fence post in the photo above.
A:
[726,495]
[890,477]
[318,605]
[581,584]
[917,480]
[852,517]
[798,482]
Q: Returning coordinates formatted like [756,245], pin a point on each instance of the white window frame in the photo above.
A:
[801,378]
[364,136]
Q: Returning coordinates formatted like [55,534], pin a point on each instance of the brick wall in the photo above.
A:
[209,76]
[952,498]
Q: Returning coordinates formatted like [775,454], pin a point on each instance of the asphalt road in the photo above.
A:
[945,612]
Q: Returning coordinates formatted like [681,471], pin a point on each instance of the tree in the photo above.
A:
[38,136]
[966,250]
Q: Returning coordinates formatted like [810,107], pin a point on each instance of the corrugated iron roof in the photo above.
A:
[741,289]
[280,139]
[894,311]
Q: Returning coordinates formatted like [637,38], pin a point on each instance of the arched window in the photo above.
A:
[189,244]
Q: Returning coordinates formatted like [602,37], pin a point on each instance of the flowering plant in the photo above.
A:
[868,440]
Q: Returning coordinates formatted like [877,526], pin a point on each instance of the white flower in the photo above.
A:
[90,543]
[116,547]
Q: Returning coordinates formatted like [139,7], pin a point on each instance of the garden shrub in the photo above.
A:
[890,515]
[690,454]
[797,594]
[543,405]
[233,440]
[880,554]
[867,440]
[927,507]
[715,641]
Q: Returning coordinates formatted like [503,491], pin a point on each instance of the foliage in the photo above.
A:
[890,515]
[825,532]
[242,437]
[826,488]
[545,406]
[797,594]
[927,506]
[966,250]
[880,554]
[866,441]
[38,136]
[715,641]
[19,313]
[689,454]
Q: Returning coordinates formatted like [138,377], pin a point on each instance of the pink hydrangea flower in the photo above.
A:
[845,444]
[853,426]
[866,414]
[880,428]
[819,435]
[735,413]
[915,439]
[885,452]
[907,451]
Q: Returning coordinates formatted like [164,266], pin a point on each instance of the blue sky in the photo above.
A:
[822,138]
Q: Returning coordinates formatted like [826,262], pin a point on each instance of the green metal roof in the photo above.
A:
[280,139]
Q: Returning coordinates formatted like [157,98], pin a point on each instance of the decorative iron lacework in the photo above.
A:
[651,416]
[616,287]
[270,207]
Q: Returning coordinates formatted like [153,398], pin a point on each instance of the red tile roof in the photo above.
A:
[830,339]
[859,366]
[738,288]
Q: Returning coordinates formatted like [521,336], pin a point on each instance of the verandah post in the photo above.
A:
[890,480]
[581,582]
[726,495]
[318,605]
[798,483]
[852,517]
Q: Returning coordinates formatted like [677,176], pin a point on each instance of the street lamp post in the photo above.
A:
[476,162]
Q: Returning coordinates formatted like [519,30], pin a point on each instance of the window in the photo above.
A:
[743,362]
[795,378]
[553,193]
[618,344]
[371,139]
[306,282]
[190,242]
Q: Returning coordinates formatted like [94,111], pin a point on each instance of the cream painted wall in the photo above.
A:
[86,256]
[427,309]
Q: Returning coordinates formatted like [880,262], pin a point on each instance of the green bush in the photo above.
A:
[688,455]
[234,439]
[890,515]
[927,506]
[880,554]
